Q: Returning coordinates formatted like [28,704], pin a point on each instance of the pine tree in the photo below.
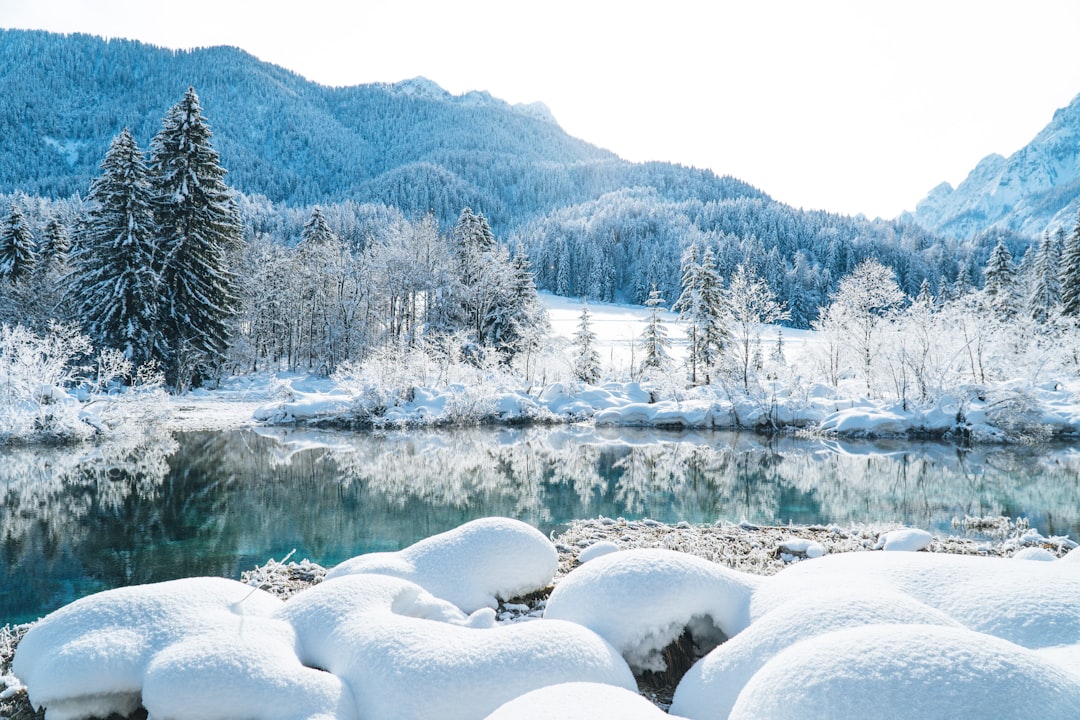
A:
[1044,297]
[198,230]
[18,250]
[701,306]
[55,245]
[1070,274]
[527,321]
[319,255]
[586,361]
[116,288]
[654,338]
[484,284]
[999,279]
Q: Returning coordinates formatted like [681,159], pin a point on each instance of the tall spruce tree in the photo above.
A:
[1044,296]
[527,321]
[18,249]
[116,284]
[999,280]
[198,231]
[701,306]
[1070,274]
[55,244]
[484,284]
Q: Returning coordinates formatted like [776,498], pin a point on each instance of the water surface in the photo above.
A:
[74,522]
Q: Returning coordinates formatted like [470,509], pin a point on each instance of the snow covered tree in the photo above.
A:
[750,303]
[198,231]
[485,282]
[527,322]
[586,360]
[18,250]
[55,245]
[1044,294]
[654,338]
[700,305]
[1070,274]
[328,304]
[999,280]
[116,291]
[860,307]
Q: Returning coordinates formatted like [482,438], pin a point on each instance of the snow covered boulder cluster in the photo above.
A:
[413,634]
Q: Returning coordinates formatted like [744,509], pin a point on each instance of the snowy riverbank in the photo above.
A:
[1001,416]
[974,622]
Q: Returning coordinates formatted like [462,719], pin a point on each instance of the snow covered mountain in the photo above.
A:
[410,144]
[1035,189]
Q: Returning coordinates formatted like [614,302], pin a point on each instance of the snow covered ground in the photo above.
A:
[889,633]
[786,397]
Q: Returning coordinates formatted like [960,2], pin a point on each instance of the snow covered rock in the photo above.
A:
[407,655]
[597,549]
[222,678]
[866,421]
[92,657]
[803,546]
[713,684]
[642,600]
[898,672]
[1033,604]
[471,566]
[579,701]
[904,540]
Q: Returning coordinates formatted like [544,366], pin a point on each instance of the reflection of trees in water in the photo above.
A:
[216,503]
[56,502]
[930,484]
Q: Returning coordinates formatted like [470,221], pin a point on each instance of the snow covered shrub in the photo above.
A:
[35,372]
[1013,410]
[52,387]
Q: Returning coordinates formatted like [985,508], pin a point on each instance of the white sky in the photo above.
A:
[850,106]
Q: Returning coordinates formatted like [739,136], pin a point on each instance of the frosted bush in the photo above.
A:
[53,387]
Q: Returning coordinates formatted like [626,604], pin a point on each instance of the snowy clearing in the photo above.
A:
[791,400]
[870,634]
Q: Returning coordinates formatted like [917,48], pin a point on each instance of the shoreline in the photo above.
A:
[762,550]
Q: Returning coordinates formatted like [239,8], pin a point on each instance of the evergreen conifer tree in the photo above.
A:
[484,284]
[1070,274]
[18,250]
[999,279]
[1044,297]
[116,290]
[55,245]
[701,306]
[527,321]
[654,339]
[198,230]
[586,361]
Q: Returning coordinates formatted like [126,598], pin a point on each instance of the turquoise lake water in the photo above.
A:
[77,521]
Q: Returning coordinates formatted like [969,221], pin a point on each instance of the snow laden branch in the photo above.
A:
[54,387]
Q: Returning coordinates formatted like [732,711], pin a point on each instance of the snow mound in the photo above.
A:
[579,701]
[597,549]
[642,600]
[904,540]
[713,684]
[1029,603]
[390,641]
[101,654]
[240,676]
[898,672]
[471,566]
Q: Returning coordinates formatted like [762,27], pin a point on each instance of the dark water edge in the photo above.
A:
[79,520]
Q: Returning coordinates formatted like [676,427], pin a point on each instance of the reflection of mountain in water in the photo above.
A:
[217,503]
